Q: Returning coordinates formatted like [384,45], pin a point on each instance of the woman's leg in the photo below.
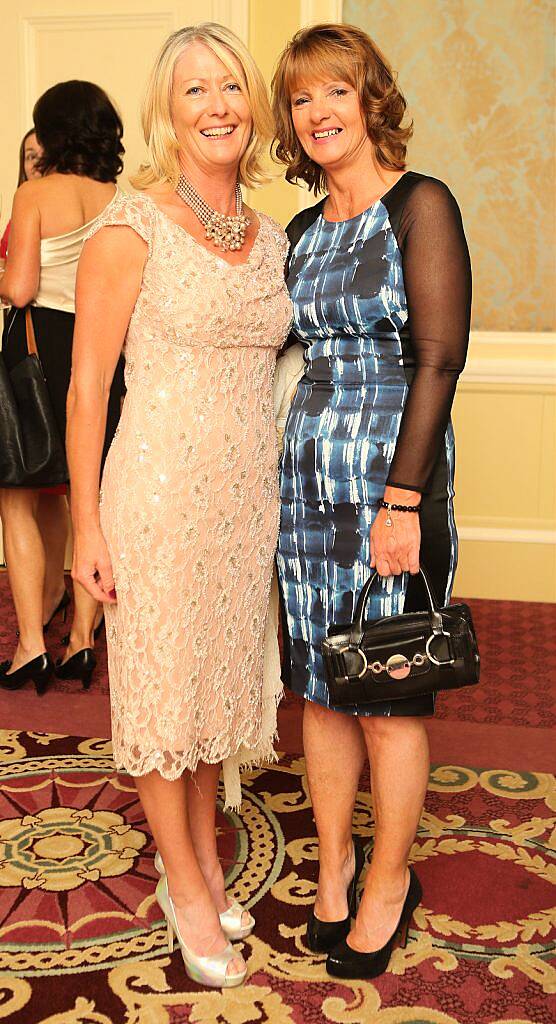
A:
[166,808]
[83,623]
[25,559]
[399,755]
[53,522]
[201,803]
[335,754]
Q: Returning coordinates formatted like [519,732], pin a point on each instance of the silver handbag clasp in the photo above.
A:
[355,650]
[430,655]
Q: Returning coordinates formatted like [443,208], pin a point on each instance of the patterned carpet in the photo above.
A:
[81,940]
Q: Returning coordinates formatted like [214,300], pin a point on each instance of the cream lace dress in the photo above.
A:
[189,501]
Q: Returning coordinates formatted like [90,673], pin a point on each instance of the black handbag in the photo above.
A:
[401,656]
[31,450]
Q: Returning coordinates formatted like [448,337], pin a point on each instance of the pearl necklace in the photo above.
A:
[226,232]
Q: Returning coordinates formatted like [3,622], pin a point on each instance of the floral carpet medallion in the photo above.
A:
[82,940]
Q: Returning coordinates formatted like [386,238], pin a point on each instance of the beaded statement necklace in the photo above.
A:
[226,232]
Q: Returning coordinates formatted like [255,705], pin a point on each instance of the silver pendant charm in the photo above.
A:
[398,667]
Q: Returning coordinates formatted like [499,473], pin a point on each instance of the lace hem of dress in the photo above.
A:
[171,765]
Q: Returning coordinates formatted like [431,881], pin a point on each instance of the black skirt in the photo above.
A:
[54,336]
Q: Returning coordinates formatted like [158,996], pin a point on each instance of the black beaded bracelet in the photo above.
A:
[399,508]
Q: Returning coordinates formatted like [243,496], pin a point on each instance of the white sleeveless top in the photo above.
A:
[59,258]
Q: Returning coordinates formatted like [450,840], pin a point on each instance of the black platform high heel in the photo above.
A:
[79,666]
[322,936]
[39,669]
[62,606]
[345,962]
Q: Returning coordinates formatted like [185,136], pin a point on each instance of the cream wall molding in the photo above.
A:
[234,14]
[515,338]
[498,358]
[311,12]
[506,535]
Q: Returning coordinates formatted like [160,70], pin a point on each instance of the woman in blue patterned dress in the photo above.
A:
[380,280]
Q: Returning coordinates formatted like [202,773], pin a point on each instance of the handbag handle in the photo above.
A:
[361,607]
[30,333]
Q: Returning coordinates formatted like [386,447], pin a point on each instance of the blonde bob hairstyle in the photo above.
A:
[345,53]
[162,164]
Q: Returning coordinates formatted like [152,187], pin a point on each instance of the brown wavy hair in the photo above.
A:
[346,53]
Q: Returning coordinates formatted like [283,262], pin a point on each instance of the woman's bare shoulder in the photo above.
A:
[27,193]
[65,194]
[39,188]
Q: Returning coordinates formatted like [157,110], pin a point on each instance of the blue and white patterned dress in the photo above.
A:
[369,346]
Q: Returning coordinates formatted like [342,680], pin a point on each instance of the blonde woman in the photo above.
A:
[191,280]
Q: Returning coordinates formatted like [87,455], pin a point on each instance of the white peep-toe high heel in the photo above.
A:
[206,970]
[230,919]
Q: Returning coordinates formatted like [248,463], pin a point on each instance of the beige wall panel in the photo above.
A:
[505,420]
[506,571]
[270,27]
[498,453]
[547,489]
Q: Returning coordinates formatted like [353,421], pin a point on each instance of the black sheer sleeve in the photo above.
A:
[437,279]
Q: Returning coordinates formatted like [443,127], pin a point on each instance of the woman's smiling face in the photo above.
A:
[328,121]
[210,108]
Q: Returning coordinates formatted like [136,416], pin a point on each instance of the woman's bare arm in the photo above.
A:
[108,283]
[20,281]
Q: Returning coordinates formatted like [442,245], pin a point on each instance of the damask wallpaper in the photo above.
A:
[478,76]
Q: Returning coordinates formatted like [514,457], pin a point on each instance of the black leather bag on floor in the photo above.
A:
[401,656]
[31,450]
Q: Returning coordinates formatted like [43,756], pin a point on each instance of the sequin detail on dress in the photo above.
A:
[189,497]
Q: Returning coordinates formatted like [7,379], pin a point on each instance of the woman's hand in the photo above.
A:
[92,567]
[395,548]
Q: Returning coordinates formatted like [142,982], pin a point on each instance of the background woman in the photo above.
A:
[380,281]
[52,511]
[30,153]
[182,551]
[80,134]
